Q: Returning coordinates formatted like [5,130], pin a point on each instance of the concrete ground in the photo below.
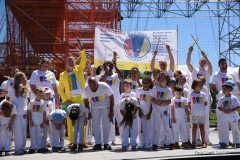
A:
[116,153]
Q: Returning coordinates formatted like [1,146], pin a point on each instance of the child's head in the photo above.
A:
[178,91]
[181,80]
[147,83]
[47,94]
[228,87]
[39,93]
[7,108]
[163,79]
[171,84]
[202,78]
[127,85]
[197,85]
[177,73]
[135,73]
[155,74]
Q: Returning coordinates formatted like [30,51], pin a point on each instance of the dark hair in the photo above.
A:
[221,60]
[44,60]
[181,76]
[195,83]
[178,89]
[39,89]
[177,73]
[127,81]
[98,70]
[135,68]
[128,116]
[229,86]
[171,81]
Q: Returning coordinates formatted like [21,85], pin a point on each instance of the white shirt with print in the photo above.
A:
[144,98]
[198,103]
[37,108]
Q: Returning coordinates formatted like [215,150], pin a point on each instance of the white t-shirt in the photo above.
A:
[43,79]
[8,86]
[4,85]
[185,92]
[75,87]
[37,108]
[114,82]
[197,72]
[131,94]
[179,106]
[100,98]
[83,111]
[144,98]
[220,78]
[229,103]
[135,86]
[49,105]
[123,103]
[21,104]
[198,103]
[170,73]
[6,120]
[161,94]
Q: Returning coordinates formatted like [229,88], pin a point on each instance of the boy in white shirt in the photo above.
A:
[127,88]
[7,117]
[57,119]
[197,102]
[129,107]
[78,114]
[161,98]
[179,113]
[228,105]
[37,119]
[145,113]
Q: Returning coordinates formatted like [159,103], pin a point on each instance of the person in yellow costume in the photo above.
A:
[71,85]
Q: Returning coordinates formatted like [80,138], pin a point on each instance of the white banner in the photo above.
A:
[134,49]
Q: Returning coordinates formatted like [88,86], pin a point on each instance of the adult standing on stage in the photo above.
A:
[71,85]
[163,63]
[43,77]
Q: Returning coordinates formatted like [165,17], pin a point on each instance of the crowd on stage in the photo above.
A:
[91,105]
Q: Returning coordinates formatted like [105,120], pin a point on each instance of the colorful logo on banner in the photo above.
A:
[97,99]
[137,46]
[38,108]
[179,104]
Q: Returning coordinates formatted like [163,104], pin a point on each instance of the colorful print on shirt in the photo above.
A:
[184,94]
[144,97]
[227,103]
[179,104]
[97,99]
[197,100]
[224,79]
[135,86]
[43,79]
[38,108]
[73,83]
[162,95]
[110,82]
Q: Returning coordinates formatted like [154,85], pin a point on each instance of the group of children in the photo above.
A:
[158,113]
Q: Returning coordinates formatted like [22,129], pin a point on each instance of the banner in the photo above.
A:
[134,49]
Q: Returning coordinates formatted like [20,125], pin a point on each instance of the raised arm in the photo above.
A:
[208,62]
[153,61]
[83,57]
[114,61]
[188,62]
[170,57]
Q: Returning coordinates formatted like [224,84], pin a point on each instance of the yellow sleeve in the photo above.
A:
[61,88]
[83,61]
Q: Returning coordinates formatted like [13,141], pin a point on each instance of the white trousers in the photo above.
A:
[20,132]
[179,128]
[36,134]
[100,118]
[5,138]
[161,119]
[133,131]
[45,136]
[79,130]
[223,129]
[145,132]
[58,136]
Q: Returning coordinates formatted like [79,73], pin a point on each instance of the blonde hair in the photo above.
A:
[21,90]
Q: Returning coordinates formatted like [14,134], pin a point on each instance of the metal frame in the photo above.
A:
[225,10]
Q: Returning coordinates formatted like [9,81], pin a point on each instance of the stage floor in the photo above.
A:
[116,153]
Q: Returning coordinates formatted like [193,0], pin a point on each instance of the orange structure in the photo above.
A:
[48,29]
